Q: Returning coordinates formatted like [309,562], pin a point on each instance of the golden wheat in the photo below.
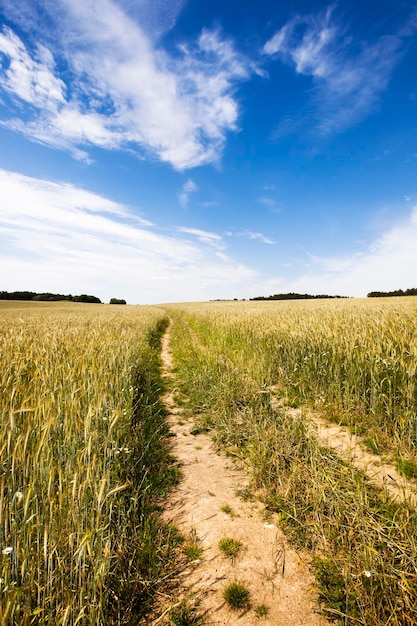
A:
[354,359]
[65,406]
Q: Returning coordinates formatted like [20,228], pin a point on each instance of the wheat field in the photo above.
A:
[356,360]
[350,361]
[83,451]
[70,501]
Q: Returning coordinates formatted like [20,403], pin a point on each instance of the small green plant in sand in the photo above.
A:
[261,610]
[237,595]
[226,508]
[230,547]
[193,550]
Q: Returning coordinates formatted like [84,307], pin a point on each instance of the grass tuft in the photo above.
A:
[193,549]
[237,595]
[226,508]
[230,547]
[261,610]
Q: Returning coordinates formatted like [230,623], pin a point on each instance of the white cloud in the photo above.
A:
[212,239]
[30,79]
[387,264]
[268,202]
[60,238]
[159,16]
[188,187]
[121,91]
[348,77]
[57,237]
[258,236]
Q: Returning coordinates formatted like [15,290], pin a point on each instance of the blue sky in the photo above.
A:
[177,150]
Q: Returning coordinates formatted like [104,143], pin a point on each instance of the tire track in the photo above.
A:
[277,576]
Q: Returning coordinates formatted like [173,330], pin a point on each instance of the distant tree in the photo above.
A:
[51,297]
[85,298]
[294,296]
[17,295]
[392,294]
[46,297]
[117,301]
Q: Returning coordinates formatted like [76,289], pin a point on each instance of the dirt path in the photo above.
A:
[381,473]
[277,576]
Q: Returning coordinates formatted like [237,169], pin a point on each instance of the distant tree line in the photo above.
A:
[294,296]
[47,297]
[388,294]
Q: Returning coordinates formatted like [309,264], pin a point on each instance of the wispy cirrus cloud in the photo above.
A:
[30,79]
[58,237]
[157,16]
[113,87]
[188,188]
[269,203]
[212,239]
[257,236]
[348,75]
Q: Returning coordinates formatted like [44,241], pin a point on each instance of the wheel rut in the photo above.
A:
[207,507]
[381,473]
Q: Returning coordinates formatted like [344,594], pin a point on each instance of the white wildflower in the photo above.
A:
[7,550]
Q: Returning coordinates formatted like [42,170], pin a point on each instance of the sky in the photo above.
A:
[190,150]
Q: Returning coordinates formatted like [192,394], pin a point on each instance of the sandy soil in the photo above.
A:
[276,575]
